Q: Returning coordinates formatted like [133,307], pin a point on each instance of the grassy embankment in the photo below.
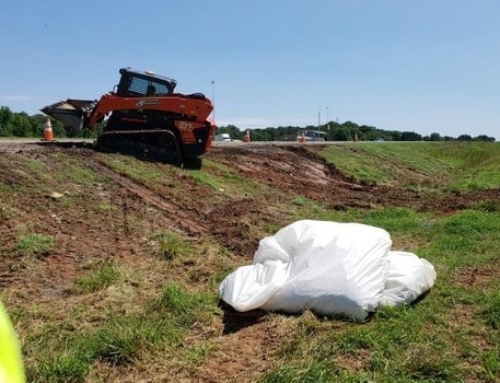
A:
[122,318]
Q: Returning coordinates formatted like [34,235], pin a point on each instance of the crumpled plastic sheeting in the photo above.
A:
[330,268]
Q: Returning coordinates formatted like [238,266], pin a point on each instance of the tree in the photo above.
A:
[484,137]
[232,130]
[341,134]
[6,130]
[411,136]
[21,126]
[5,118]
[5,115]
[396,136]
[435,137]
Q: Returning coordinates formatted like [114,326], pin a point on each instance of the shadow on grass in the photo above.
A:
[234,320]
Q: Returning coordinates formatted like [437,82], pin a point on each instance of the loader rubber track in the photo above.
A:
[139,143]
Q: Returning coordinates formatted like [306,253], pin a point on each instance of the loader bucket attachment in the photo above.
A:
[70,112]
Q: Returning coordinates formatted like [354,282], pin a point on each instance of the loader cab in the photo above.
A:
[144,84]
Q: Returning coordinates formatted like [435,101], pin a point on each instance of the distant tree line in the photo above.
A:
[347,131]
[22,125]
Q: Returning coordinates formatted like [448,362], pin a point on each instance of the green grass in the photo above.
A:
[7,212]
[491,311]
[103,276]
[207,179]
[142,171]
[225,181]
[34,245]
[384,163]
[170,246]
[73,171]
[444,166]
[67,356]
[182,307]
[163,313]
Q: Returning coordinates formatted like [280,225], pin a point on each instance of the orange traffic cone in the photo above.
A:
[303,137]
[48,135]
[247,136]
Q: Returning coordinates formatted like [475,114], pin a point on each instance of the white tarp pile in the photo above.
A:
[330,268]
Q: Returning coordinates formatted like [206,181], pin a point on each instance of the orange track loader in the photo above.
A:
[144,116]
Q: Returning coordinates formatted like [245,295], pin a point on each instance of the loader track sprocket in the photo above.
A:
[155,144]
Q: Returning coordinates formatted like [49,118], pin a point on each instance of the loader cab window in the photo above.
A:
[140,87]
[143,87]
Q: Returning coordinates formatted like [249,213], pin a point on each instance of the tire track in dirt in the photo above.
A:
[183,218]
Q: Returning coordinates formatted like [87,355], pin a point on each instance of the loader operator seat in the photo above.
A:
[151,90]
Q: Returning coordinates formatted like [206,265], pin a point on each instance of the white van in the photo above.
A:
[222,137]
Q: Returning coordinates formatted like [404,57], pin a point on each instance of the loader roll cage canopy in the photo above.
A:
[141,84]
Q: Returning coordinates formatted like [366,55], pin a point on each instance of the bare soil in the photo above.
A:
[246,342]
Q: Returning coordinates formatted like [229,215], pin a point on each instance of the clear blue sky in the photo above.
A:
[424,66]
